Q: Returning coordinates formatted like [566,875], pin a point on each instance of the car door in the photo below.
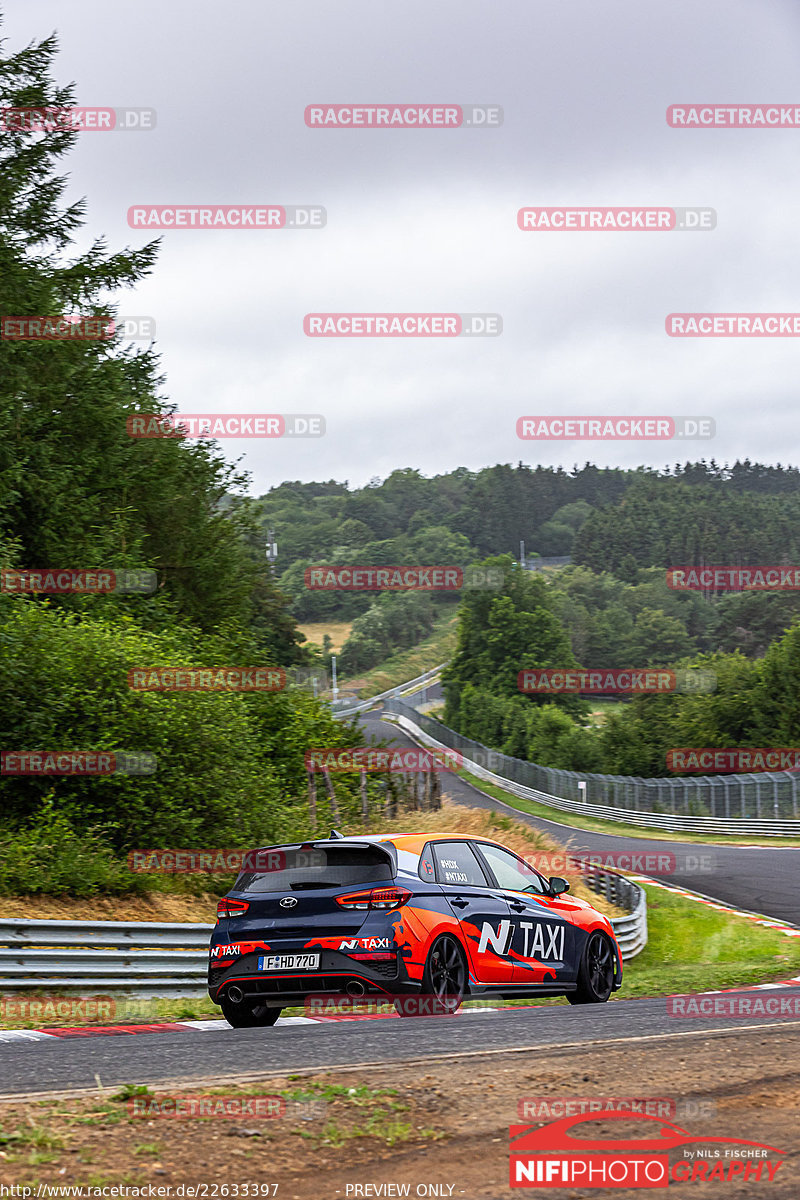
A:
[543,937]
[484,916]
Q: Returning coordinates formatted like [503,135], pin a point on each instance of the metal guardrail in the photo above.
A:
[631,930]
[170,961]
[586,791]
[94,957]
[402,689]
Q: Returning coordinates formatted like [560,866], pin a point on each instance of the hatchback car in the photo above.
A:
[444,916]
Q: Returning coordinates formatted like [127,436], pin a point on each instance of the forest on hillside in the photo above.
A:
[613,523]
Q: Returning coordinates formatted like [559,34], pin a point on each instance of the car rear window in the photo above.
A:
[334,866]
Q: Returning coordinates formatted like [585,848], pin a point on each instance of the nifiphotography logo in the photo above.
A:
[555,1156]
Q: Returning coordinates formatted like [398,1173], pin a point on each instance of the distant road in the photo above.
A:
[760,879]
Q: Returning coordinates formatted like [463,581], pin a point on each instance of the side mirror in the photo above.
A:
[557,885]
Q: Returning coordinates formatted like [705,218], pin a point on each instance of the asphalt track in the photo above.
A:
[219,1055]
[760,879]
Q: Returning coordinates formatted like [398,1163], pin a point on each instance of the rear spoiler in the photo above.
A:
[385,848]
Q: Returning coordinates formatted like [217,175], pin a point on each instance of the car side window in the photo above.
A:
[457,863]
[511,872]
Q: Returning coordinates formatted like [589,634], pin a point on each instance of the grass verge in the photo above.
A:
[407,664]
[110,1137]
[693,948]
[337,631]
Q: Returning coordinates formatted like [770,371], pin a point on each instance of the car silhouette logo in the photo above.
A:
[554,1138]
[288,902]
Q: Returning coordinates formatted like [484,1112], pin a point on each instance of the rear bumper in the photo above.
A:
[337,975]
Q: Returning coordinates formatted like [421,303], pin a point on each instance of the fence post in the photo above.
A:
[331,794]
[436,791]
[364,802]
[391,798]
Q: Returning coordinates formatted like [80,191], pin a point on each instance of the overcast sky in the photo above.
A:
[425,220]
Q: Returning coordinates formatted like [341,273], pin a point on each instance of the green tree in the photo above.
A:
[75,488]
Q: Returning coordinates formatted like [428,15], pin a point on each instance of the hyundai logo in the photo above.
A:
[288,902]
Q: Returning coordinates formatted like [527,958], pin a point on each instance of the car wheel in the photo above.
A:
[596,972]
[247,1015]
[444,981]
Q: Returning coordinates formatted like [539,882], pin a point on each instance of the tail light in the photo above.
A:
[231,908]
[384,898]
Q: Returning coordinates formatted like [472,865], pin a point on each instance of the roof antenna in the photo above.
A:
[336,836]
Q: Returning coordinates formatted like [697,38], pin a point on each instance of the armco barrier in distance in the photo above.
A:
[762,803]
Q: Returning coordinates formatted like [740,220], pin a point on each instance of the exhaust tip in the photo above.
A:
[354,988]
[235,995]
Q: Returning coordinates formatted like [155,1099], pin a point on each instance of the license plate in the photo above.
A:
[289,962]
